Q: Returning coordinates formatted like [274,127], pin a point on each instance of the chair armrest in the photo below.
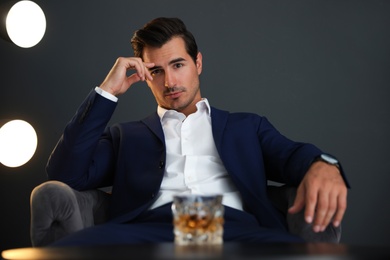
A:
[58,210]
[283,198]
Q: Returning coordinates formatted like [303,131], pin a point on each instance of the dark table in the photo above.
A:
[227,251]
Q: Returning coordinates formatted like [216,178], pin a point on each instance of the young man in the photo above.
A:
[187,146]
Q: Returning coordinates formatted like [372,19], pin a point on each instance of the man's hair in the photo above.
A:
[159,31]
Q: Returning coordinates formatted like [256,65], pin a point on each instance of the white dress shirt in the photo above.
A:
[193,165]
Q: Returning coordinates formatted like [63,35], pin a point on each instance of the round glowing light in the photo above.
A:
[26,24]
[18,142]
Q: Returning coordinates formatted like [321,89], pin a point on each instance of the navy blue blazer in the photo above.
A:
[131,158]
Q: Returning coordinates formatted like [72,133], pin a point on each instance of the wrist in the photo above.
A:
[106,94]
[328,159]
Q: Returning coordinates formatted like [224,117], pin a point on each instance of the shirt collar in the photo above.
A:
[201,105]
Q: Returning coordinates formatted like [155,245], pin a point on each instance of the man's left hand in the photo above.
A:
[323,193]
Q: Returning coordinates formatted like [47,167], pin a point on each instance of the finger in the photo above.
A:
[299,201]
[332,207]
[143,70]
[321,211]
[311,203]
[148,65]
[134,64]
[140,68]
[341,208]
[133,78]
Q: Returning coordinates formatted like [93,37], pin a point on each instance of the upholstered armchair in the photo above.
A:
[58,210]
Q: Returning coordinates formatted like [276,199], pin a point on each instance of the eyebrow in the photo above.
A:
[170,63]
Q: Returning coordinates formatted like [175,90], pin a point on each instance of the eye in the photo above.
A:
[155,72]
[178,65]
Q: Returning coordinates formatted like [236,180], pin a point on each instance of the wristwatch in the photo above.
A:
[328,159]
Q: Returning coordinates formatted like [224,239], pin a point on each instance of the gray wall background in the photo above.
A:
[319,70]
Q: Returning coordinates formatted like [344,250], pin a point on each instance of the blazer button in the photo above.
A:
[161,165]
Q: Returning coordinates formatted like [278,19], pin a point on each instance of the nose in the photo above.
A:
[170,80]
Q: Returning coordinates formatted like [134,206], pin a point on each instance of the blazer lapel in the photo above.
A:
[218,122]
[154,124]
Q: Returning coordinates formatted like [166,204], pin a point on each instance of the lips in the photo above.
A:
[173,95]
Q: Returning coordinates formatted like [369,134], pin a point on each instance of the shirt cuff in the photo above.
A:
[106,94]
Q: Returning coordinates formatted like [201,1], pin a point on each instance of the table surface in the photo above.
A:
[226,251]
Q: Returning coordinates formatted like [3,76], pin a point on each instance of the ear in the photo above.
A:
[199,63]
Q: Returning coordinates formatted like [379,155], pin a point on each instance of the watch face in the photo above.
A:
[329,159]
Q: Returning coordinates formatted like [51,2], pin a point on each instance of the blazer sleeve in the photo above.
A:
[285,160]
[83,157]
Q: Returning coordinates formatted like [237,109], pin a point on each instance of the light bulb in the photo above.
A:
[26,24]
[18,142]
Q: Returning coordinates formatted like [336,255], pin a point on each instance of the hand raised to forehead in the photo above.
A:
[118,82]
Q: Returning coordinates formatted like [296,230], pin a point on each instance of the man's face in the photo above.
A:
[175,83]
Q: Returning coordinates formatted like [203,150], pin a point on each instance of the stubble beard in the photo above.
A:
[181,103]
